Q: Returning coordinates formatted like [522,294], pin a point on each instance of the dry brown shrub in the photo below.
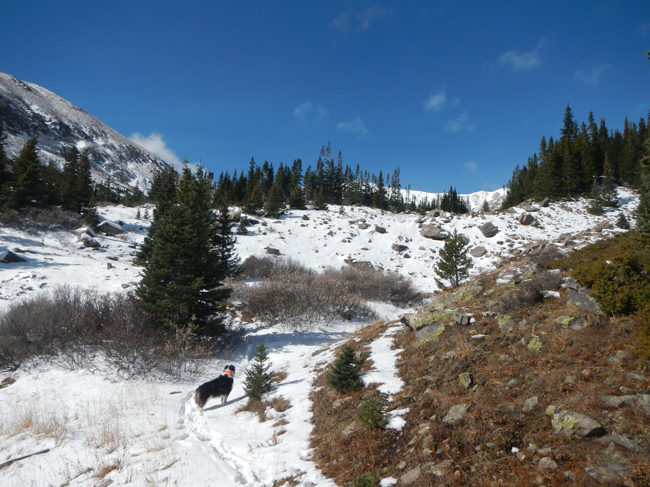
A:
[529,292]
[41,219]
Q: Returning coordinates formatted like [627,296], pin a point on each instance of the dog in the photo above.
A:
[217,388]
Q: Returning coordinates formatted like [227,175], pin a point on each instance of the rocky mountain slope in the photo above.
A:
[28,110]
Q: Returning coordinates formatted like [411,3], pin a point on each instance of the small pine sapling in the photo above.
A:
[454,263]
[622,222]
[345,372]
[258,379]
[372,413]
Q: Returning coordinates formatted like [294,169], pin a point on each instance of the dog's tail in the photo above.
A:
[200,402]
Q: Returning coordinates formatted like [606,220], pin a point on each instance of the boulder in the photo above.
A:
[272,251]
[9,257]
[88,241]
[108,226]
[530,404]
[610,472]
[544,203]
[435,213]
[234,214]
[465,380]
[305,217]
[526,218]
[363,226]
[462,319]
[455,414]
[506,324]
[379,229]
[570,424]
[434,232]
[572,322]
[583,301]
[398,247]
[478,252]
[429,334]
[488,230]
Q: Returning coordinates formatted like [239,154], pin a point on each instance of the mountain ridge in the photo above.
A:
[29,110]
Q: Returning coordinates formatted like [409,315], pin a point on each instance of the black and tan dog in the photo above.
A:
[217,388]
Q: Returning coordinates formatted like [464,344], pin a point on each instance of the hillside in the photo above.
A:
[100,428]
[28,110]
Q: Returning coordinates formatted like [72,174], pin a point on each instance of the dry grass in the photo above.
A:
[505,373]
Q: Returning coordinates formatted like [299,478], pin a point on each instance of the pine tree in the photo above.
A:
[225,242]
[319,201]
[345,372]
[296,199]
[454,263]
[181,282]
[642,213]
[275,203]
[25,187]
[258,379]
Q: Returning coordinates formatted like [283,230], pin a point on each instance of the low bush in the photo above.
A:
[40,219]
[272,267]
[345,372]
[530,292]
[75,327]
[370,479]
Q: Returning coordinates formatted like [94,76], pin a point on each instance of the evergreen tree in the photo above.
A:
[379,196]
[622,222]
[275,203]
[642,213]
[181,282]
[258,379]
[319,201]
[454,263]
[225,242]
[255,200]
[345,372]
[25,186]
[296,199]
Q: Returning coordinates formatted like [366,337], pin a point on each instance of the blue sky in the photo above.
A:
[451,92]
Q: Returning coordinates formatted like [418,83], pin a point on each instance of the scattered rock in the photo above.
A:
[573,322]
[411,476]
[526,218]
[626,443]
[234,214]
[609,472]
[351,428]
[88,241]
[429,333]
[547,463]
[399,248]
[506,324]
[582,300]
[489,230]
[530,404]
[478,252]
[462,319]
[465,380]
[636,377]
[362,265]
[617,401]
[379,229]
[9,257]
[272,251]
[455,414]
[618,357]
[305,217]
[434,232]
[571,424]
[108,226]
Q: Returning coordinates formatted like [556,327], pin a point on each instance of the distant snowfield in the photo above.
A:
[99,429]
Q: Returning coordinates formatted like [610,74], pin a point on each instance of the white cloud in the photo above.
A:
[436,101]
[354,127]
[460,123]
[371,14]
[522,61]
[344,21]
[157,146]
[471,167]
[341,22]
[308,112]
[593,75]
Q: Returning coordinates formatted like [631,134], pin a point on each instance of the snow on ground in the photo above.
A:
[97,428]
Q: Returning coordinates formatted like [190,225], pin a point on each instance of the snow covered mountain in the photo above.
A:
[28,110]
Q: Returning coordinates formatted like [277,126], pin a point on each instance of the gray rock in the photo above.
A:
[465,380]
[584,301]
[88,241]
[636,377]
[362,265]
[461,319]
[434,232]
[572,322]
[235,214]
[9,257]
[429,334]
[530,404]
[455,414]
[441,469]
[379,229]
[398,247]
[363,226]
[411,476]
[478,252]
[351,428]
[570,424]
[643,400]
[618,357]
[110,227]
[305,217]
[544,203]
[272,251]
[626,443]
[617,401]
[547,463]
[489,230]
[609,472]
[526,218]
[506,324]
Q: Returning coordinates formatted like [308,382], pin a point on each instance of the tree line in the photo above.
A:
[581,161]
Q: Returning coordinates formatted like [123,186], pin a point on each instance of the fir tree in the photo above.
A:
[454,263]
[642,213]
[258,379]
[622,222]
[225,242]
[275,203]
[296,199]
[345,372]
[319,201]
[181,282]
[25,187]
